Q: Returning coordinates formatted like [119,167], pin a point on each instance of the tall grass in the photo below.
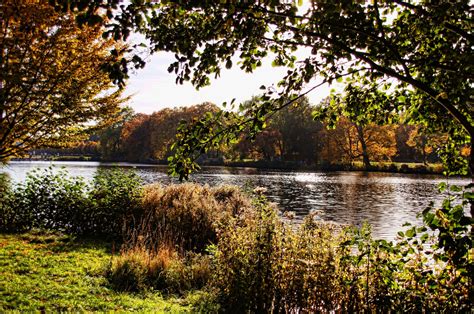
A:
[186,215]
[165,247]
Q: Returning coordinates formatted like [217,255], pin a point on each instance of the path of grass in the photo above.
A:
[56,273]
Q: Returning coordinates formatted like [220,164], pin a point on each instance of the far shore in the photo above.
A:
[390,167]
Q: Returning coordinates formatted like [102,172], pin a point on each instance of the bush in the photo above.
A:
[191,272]
[404,168]
[55,201]
[185,217]
[421,169]
[264,265]
[10,219]
[244,256]
[138,269]
[47,200]
[115,197]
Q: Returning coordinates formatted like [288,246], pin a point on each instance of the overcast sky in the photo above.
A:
[153,88]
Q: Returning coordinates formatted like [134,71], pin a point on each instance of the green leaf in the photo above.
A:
[455,188]
[424,237]
[411,233]
[469,195]
[442,187]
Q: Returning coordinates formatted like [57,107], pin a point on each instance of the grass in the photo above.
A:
[51,272]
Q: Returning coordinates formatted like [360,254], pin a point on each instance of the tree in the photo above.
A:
[298,131]
[135,138]
[52,87]
[350,142]
[110,136]
[290,134]
[425,142]
[266,145]
[404,151]
[420,53]
[164,125]
[149,137]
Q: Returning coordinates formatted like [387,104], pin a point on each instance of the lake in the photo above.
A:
[385,200]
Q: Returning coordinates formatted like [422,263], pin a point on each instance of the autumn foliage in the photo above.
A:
[291,136]
[52,86]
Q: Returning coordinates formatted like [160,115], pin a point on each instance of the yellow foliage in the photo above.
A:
[344,144]
[53,88]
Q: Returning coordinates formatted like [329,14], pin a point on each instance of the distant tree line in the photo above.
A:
[291,135]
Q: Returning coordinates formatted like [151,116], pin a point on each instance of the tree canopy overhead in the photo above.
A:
[419,53]
[52,89]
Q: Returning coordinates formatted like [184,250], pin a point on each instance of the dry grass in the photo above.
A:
[185,215]
[163,249]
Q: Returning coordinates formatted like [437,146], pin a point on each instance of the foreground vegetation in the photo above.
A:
[53,272]
[220,249]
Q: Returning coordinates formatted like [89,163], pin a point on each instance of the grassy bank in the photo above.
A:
[46,272]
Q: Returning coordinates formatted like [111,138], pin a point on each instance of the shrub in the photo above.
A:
[132,271]
[185,217]
[243,261]
[53,200]
[421,169]
[47,200]
[404,168]
[308,273]
[139,269]
[9,220]
[115,197]
[264,265]
[191,272]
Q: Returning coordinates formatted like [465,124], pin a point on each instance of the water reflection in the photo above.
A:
[384,200]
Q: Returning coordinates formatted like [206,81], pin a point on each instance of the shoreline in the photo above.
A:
[382,167]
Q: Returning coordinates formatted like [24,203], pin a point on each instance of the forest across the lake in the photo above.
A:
[291,140]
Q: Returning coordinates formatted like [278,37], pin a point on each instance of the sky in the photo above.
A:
[153,88]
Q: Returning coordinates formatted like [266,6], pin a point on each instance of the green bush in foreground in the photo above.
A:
[46,200]
[115,196]
[53,200]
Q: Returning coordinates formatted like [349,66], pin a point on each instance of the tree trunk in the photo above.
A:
[471,171]
[365,155]
[424,142]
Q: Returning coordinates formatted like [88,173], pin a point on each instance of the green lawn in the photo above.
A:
[41,272]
